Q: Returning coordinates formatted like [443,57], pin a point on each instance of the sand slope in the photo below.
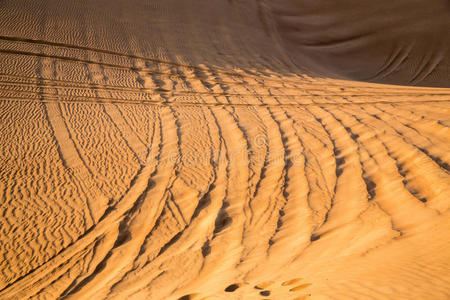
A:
[402,41]
[177,150]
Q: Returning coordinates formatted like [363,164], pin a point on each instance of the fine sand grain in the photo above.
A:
[213,150]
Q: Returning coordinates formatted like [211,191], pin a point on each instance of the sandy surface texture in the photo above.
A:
[212,149]
[401,41]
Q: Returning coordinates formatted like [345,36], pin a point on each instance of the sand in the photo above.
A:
[401,42]
[201,150]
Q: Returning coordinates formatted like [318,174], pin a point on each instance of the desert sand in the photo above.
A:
[224,149]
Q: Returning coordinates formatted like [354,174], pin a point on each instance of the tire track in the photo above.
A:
[70,156]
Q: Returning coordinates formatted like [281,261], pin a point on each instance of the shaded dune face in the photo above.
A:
[399,42]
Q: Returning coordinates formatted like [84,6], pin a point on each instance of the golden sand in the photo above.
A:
[191,150]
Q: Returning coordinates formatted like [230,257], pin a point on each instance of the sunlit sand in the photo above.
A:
[224,150]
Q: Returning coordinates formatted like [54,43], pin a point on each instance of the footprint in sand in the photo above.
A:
[285,290]
[194,296]
[232,287]
[288,289]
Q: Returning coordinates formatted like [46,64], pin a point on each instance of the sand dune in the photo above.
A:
[402,42]
[194,150]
